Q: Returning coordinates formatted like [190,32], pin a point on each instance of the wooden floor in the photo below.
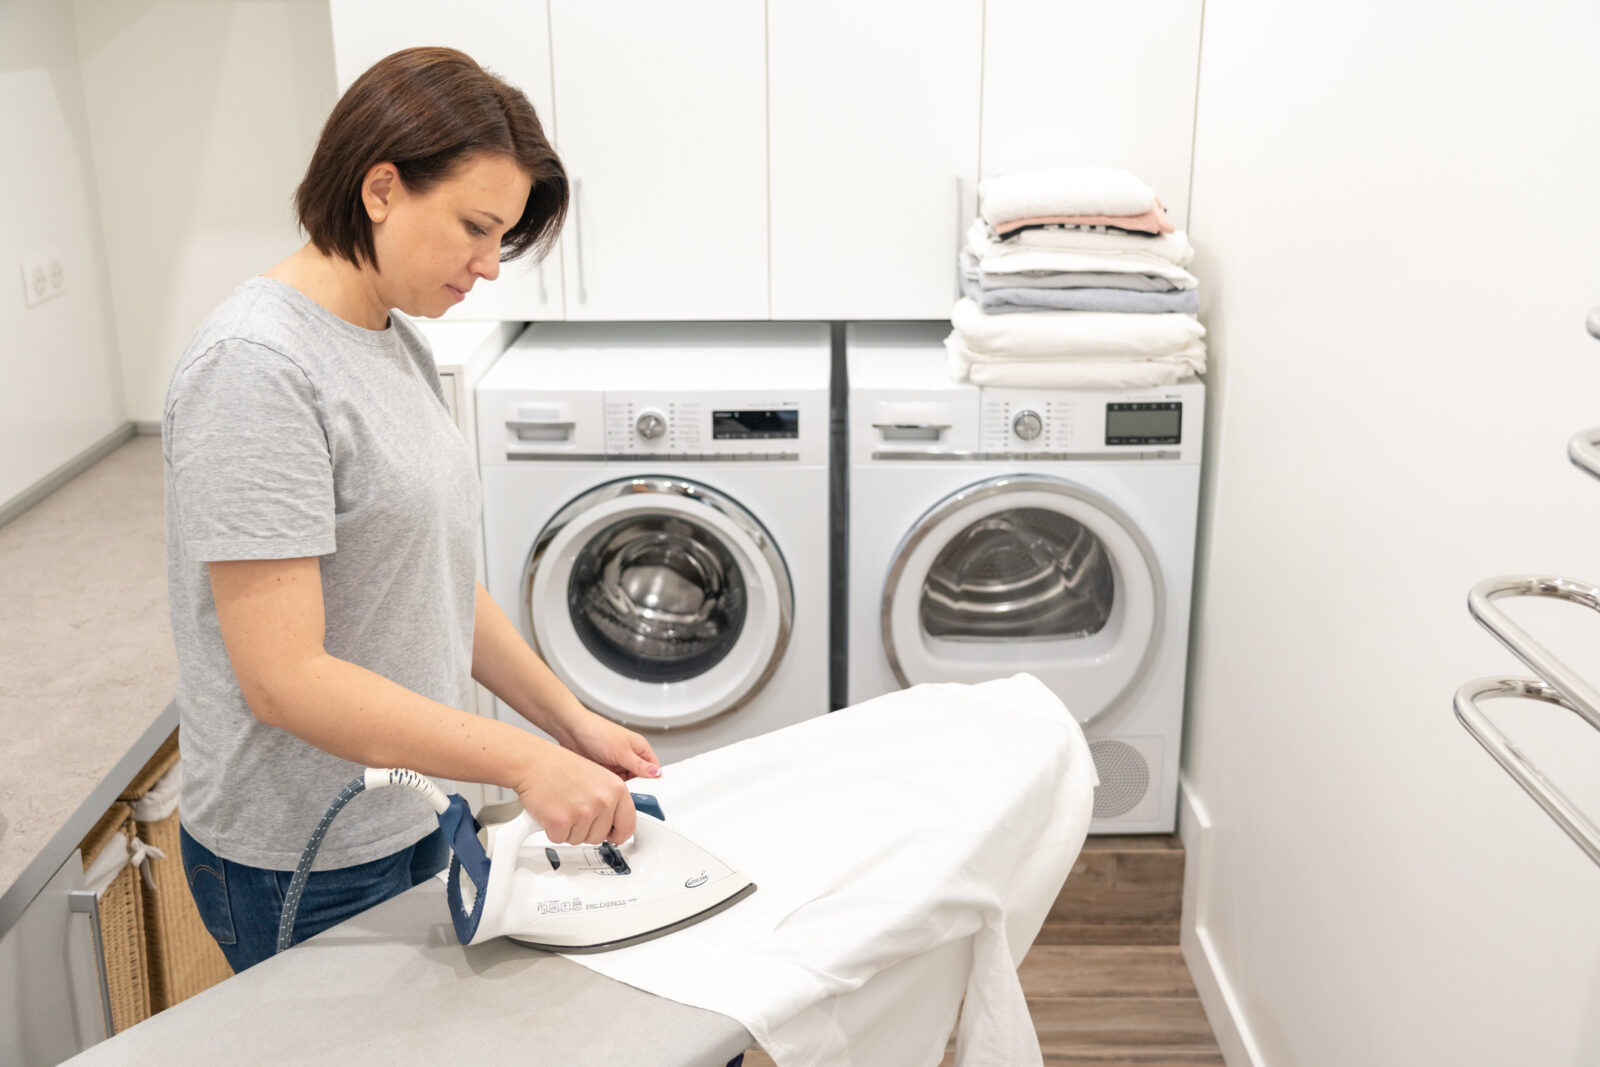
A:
[1105,981]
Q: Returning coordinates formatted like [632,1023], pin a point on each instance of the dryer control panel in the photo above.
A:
[1148,424]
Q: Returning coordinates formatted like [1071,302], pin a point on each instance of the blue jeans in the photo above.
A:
[241,905]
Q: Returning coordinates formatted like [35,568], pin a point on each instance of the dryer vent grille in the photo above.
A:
[1124,778]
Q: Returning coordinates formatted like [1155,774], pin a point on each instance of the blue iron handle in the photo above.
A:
[648,804]
[466,854]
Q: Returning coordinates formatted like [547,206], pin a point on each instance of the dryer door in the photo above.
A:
[1025,573]
[658,601]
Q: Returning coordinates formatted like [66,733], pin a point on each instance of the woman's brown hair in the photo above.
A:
[426,110]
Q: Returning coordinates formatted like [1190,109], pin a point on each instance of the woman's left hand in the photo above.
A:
[614,747]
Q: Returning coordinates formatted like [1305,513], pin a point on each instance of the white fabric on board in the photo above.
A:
[1064,191]
[906,851]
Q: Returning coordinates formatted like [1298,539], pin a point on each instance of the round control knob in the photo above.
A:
[1027,425]
[650,425]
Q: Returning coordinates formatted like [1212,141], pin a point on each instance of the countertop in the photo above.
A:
[393,984]
[87,668]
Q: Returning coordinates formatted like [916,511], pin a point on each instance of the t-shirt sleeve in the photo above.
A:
[252,474]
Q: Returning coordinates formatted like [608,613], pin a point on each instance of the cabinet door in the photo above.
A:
[874,148]
[662,112]
[1091,83]
[50,1002]
[510,38]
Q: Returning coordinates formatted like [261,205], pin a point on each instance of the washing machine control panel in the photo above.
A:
[713,427]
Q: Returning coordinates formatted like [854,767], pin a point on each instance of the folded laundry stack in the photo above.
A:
[1074,278]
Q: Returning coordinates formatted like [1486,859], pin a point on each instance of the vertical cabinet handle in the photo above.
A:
[577,235]
[961,235]
[84,902]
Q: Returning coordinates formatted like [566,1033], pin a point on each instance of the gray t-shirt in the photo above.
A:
[289,432]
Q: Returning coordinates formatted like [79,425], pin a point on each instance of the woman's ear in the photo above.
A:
[378,190]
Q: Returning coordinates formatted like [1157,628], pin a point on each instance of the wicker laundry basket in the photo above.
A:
[122,939]
[184,958]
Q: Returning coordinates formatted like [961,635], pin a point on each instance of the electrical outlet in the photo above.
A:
[43,277]
[35,282]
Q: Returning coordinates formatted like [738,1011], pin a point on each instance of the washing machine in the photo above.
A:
[1050,531]
[656,509]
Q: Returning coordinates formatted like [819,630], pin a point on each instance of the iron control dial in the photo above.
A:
[1027,425]
[650,425]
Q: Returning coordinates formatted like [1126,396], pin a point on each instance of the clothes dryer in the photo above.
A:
[1050,531]
[656,520]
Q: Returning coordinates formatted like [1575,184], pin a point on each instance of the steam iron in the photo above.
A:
[586,898]
[511,880]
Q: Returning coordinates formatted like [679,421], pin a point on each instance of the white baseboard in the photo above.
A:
[1216,994]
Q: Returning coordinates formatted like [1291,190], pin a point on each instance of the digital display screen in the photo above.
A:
[751,425]
[1153,423]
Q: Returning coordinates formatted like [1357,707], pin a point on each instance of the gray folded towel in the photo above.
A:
[1005,301]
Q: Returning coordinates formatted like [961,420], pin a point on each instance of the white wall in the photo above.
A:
[204,115]
[1399,238]
[60,390]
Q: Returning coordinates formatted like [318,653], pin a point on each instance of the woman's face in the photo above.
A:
[432,248]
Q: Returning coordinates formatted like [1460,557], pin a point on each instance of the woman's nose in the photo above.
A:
[487,267]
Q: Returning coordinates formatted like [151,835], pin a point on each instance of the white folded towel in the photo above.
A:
[1071,279]
[1073,373]
[996,258]
[1074,334]
[1064,191]
[1173,247]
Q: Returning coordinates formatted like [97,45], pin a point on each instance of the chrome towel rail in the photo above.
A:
[1581,697]
[1552,800]
[1583,448]
[1559,684]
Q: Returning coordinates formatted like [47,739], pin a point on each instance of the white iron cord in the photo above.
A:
[372,778]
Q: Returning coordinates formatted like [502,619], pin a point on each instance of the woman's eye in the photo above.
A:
[476,230]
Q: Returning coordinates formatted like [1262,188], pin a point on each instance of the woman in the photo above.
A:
[322,518]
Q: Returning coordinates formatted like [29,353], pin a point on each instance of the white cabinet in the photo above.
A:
[510,38]
[662,121]
[874,153]
[50,997]
[795,159]
[1093,82]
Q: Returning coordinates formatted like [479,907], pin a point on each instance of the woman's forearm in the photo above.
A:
[359,715]
[508,668]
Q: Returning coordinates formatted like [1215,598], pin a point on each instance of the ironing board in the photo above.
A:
[393,985]
[973,802]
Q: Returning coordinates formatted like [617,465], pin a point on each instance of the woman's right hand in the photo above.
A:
[575,800]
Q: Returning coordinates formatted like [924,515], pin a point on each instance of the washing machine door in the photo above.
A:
[660,602]
[1025,573]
